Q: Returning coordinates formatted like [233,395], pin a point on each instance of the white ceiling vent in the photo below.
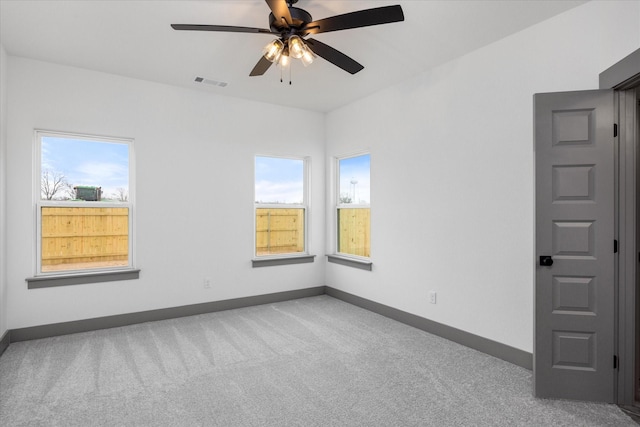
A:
[210,82]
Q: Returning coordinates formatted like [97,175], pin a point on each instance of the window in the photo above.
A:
[280,206]
[353,206]
[84,203]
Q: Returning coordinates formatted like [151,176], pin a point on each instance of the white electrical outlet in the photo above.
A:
[206,283]
[432,297]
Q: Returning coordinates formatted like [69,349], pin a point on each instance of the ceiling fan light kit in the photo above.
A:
[292,25]
[279,52]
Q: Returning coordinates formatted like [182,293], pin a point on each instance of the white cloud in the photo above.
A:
[279,192]
[100,175]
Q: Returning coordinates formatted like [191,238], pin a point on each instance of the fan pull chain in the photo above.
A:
[282,74]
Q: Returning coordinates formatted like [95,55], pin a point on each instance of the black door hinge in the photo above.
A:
[615,130]
[615,362]
[615,246]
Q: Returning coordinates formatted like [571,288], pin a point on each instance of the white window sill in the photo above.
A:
[362,264]
[81,278]
[284,260]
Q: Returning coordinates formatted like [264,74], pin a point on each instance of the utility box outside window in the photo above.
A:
[89,194]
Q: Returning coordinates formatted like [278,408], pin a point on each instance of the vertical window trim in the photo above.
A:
[338,206]
[305,206]
[38,203]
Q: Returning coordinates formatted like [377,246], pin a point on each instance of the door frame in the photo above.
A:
[624,77]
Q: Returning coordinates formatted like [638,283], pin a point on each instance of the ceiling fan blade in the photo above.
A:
[334,56]
[362,18]
[280,10]
[261,67]
[224,28]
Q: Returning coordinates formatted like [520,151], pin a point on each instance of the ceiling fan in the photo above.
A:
[293,24]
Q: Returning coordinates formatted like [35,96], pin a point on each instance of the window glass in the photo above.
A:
[354,179]
[353,206]
[80,238]
[84,209]
[280,206]
[279,180]
[84,169]
[279,231]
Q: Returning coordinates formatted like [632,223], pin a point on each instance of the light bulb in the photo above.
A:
[273,50]
[296,47]
[284,60]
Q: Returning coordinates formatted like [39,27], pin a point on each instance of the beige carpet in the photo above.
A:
[309,362]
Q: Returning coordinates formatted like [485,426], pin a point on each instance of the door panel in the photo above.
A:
[575,207]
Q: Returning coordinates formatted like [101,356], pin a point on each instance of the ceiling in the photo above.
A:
[134,39]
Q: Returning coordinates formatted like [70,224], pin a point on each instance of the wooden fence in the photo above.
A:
[83,237]
[279,231]
[354,235]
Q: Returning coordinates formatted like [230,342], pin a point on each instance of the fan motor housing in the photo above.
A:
[300,18]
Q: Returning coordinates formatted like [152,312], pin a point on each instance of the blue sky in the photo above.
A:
[355,178]
[85,162]
[279,180]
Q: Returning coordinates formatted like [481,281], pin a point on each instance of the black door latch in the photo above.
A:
[546,261]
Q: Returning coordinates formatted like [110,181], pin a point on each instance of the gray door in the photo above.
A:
[575,207]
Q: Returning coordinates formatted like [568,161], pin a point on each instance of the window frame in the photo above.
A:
[344,258]
[274,259]
[87,275]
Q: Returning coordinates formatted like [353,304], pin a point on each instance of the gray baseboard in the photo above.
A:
[5,341]
[85,325]
[485,345]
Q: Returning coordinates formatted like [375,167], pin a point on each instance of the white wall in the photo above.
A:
[3,139]
[452,171]
[194,177]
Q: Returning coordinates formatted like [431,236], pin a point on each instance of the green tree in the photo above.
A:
[345,198]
